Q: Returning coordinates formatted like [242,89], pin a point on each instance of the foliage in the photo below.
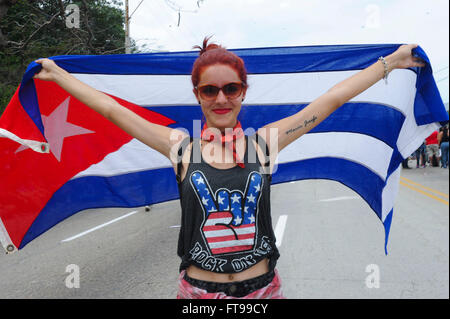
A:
[33,29]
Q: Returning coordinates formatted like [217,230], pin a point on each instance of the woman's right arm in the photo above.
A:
[161,138]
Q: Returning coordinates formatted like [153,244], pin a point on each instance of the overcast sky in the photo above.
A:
[264,23]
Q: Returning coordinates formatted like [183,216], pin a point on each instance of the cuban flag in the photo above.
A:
[59,157]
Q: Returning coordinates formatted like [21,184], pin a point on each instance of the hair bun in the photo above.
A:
[216,54]
[206,46]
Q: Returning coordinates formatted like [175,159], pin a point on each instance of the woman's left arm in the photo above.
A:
[292,127]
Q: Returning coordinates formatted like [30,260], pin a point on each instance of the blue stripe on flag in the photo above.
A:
[127,190]
[154,186]
[387,227]
[353,175]
[258,61]
[376,120]
[428,106]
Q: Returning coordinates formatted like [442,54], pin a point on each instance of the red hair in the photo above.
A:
[211,54]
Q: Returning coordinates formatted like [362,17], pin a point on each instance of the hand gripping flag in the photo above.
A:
[59,157]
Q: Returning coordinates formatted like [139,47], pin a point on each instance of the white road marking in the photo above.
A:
[99,226]
[338,198]
[279,229]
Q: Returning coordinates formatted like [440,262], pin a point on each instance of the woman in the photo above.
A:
[226,242]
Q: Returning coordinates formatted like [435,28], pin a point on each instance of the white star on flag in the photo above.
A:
[57,128]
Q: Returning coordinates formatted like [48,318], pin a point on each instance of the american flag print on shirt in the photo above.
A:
[230,223]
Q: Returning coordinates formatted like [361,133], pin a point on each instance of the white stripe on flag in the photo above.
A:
[390,193]
[136,156]
[160,90]
[359,148]
[279,229]
[133,156]
[411,134]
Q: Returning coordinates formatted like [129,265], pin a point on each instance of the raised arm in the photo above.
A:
[292,127]
[161,138]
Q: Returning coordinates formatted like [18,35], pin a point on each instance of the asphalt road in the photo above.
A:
[331,245]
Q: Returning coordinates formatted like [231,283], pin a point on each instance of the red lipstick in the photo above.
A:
[221,111]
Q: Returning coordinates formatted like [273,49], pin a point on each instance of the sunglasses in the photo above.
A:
[231,90]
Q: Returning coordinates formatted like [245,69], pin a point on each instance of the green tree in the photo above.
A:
[33,29]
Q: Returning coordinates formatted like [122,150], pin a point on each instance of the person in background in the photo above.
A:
[420,153]
[405,163]
[443,143]
[432,147]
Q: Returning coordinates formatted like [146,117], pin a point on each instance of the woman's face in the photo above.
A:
[222,111]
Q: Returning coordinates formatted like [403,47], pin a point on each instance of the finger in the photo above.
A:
[203,192]
[223,200]
[236,207]
[253,192]
[39,74]
[419,62]
[36,75]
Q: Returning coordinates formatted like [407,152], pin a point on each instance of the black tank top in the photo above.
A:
[226,225]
